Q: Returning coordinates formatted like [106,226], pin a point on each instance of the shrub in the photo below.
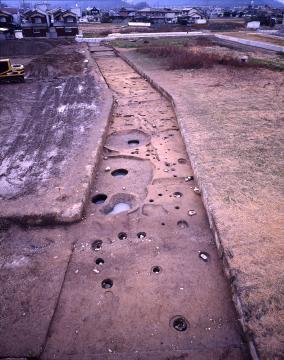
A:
[105,32]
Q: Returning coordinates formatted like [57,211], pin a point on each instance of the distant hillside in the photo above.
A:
[109,3]
[115,4]
[222,3]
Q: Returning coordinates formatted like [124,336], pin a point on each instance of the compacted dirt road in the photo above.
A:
[139,277]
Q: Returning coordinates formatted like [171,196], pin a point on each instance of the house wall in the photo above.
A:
[43,19]
[28,32]
[68,18]
[6,19]
[61,31]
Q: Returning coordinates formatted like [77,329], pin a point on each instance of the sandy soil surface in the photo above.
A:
[99,29]
[232,124]
[48,129]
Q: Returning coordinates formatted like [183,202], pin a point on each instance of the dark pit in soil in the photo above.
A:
[99,199]
[141,235]
[107,283]
[156,269]
[133,142]
[100,261]
[119,172]
[122,236]
[97,245]
[182,224]
[179,323]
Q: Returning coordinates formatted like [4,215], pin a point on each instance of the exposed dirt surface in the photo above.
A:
[29,47]
[48,127]
[33,264]
[93,30]
[232,124]
[139,277]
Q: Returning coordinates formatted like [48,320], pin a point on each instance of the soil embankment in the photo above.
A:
[48,127]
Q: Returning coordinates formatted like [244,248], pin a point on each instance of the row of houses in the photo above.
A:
[58,23]
[267,15]
[159,15]
[55,23]
[38,23]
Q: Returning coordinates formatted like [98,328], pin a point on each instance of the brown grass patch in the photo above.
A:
[154,29]
[191,58]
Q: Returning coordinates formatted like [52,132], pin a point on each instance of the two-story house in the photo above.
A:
[6,24]
[65,22]
[35,23]
[53,23]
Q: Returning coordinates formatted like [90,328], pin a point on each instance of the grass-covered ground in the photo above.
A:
[198,52]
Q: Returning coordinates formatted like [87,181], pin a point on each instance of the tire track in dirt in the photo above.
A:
[38,143]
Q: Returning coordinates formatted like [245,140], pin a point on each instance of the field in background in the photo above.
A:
[200,51]
[97,29]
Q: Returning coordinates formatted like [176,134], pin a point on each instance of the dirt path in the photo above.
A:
[143,280]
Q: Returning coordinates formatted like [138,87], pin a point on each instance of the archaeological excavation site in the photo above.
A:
[136,211]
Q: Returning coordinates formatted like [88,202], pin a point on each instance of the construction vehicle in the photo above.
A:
[11,72]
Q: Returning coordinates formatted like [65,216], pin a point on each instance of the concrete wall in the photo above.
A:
[259,44]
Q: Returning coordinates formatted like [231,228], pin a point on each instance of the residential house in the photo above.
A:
[171,16]
[153,15]
[191,15]
[14,12]
[65,22]
[6,25]
[94,15]
[77,11]
[35,23]
[126,13]
[52,23]
[6,19]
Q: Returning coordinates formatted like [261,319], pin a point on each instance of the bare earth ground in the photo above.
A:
[99,29]
[89,290]
[232,124]
[51,129]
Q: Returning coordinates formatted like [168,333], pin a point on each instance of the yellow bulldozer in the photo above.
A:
[11,72]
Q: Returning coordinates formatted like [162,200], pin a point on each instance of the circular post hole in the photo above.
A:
[97,245]
[179,323]
[156,269]
[107,283]
[100,261]
[119,172]
[99,199]
[133,142]
[122,236]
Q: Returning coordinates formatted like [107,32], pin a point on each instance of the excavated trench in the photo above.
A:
[144,280]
